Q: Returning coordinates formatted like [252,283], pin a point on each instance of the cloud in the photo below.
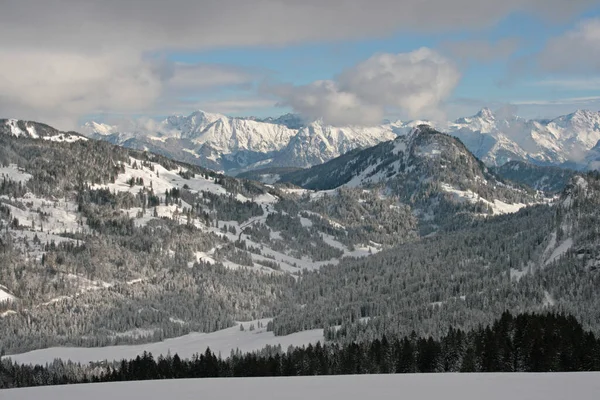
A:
[200,76]
[155,24]
[481,50]
[237,106]
[325,100]
[67,58]
[51,84]
[58,88]
[414,83]
[576,51]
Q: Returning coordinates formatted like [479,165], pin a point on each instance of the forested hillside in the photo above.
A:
[102,245]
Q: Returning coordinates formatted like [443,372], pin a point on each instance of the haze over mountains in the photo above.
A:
[235,145]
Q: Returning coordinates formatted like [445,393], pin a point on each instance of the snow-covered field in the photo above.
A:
[552,386]
[222,341]
[498,207]
[5,296]
[13,172]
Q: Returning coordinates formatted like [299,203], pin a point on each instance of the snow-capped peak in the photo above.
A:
[485,113]
[102,129]
[233,144]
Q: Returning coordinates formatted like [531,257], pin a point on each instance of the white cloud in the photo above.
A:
[576,51]
[414,83]
[200,76]
[237,106]
[152,24]
[67,58]
[51,84]
[324,100]
[57,87]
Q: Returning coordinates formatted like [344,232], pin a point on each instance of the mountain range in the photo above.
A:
[235,145]
[104,245]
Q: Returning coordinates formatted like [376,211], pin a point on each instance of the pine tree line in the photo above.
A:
[525,343]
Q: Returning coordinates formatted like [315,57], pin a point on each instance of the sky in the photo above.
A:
[346,62]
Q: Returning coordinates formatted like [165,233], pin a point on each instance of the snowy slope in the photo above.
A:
[5,296]
[497,139]
[35,130]
[422,160]
[318,143]
[220,342]
[530,386]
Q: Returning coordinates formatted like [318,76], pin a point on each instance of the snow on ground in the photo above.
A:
[321,193]
[5,296]
[359,251]
[269,179]
[84,284]
[206,256]
[45,219]
[287,263]
[498,206]
[490,386]
[329,220]
[548,299]
[365,176]
[14,173]
[24,239]
[223,341]
[161,179]
[54,216]
[32,133]
[307,223]
[64,137]
[7,313]
[296,191]
[517,274]
[560,250]
[14,127]
[441,303]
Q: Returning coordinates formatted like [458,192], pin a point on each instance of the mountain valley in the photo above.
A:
[104,245]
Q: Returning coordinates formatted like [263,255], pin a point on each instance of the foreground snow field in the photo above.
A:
[222,341]
[556,386]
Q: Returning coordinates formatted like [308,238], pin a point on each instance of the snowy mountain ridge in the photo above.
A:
[239,144]
[427,170]
[36,130]
[498,139]
[226,143]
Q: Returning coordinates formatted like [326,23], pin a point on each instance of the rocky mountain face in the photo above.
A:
[235,145]
[498,139]
[430,171]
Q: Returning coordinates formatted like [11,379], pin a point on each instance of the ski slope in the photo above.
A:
[223,342]
[550,386]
